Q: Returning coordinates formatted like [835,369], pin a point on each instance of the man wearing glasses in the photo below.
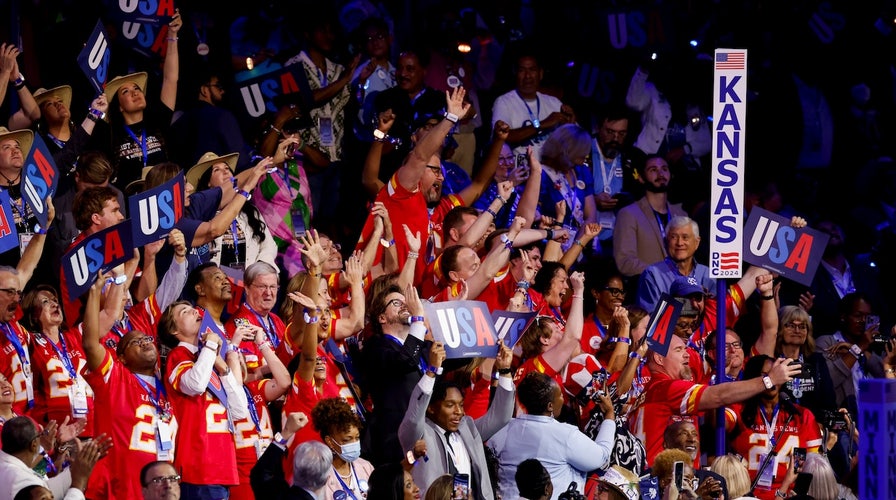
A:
[262,284]
[160,481]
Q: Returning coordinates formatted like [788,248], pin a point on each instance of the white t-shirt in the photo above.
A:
[516,112]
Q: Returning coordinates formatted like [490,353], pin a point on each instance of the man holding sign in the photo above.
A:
[14,147]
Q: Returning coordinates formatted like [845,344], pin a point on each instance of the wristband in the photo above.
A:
[451,117]
[856,351]
[279,439]
[96,113]
[435,371]
[171,38]
[244,193]
[19,82]
[494,215]
[508,243]
[211,344]
[40,230]
[274,129]
[780,494]
[624,340]
[417,319]
[767,381]
[634,355]
[550,234]
[309,319]
[120,279]
[413,255]
[767,297]
[579,242]
[379,135]
[495,376]
[387,243]
[504,371]
[575,296]
[91,117]
[503,201]
[234,348]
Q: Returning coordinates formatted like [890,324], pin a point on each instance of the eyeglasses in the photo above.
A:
[165,479]
[12,292]
[797,326]
[140,341]
[617,292]
[267,288]
[730,346]
[395,303]
[436,169]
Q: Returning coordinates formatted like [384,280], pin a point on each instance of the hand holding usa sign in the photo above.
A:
[662,324]
[771,242]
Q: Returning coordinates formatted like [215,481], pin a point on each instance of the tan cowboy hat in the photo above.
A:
[64,92]
[113,85]
[137,185]
[24,137]
[206,162]
[623,481]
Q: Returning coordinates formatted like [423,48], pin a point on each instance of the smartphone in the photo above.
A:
[799,458]
[872,321]
[678,474]
[461,487]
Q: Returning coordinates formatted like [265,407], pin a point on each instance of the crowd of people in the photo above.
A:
[276,342]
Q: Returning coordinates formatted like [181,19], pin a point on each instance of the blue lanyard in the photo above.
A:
[122,326]
[20,350]
[63,355]
[142,141]
[533,118]
[286,178]
[236,241]
[322,76]
[559,317]
[345,487]
[770,425]
[660,223]
[253,411]
[268,328]
[600,327]
[156,399]
[423,364]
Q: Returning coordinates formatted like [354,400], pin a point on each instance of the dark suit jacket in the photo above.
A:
[391,371]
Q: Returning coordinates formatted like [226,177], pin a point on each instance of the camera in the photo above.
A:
[571,493]
[834,420]
[805,369]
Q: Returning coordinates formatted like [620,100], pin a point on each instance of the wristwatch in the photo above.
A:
[279,439]
[379,135]
[211,344]
[855,351]
[451,117]
[768,382]
[387,243]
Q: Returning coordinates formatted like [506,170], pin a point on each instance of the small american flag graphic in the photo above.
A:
[730,60]
[729,260]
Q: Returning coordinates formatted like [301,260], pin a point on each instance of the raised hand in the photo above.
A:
[312,248]
[504,358]
[501,131]
[354,269]
[302,299]
[412,301]
[456,104]
[437,354]
[505,189]
[413,239]
[577,280]
[385,120]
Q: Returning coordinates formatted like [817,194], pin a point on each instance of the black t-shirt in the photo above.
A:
[128,143]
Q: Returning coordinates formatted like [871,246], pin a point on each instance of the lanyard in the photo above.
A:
[606,174]
[659,220]
[141,141]
[346,487]
[236,240]
[422,364]
[122,326]
[156,399]
[770,425]
[56,141]
[63,355]
[557,315]
[533,118]
[267,326]
[600,327]
[20,350]
[23,214]
[286,178]
[322,76]
[253,411]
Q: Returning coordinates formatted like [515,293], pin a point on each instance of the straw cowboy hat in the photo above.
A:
[64,92]
[206,162]
[24,137]
[137,185]
[113,85]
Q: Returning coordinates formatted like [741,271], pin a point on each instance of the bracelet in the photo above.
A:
[550,234]
[522,284]
[451,117]
[503,201]
[779,494]
[97,113]
[889,371]
[767,297]
[624,340]
[416,319]
[413,255]
[244,193]
[494,215]
[171,38]
[508,243]
[91,117]
[495,376]
[435,371]
[504,371]
[272,128]
[577,296]
[579,242]
[19,82]
[40,230]
[634,355]
[234,348]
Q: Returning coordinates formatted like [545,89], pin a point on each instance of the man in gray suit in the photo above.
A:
[454,440]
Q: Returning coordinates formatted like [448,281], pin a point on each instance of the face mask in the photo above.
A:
[350,451]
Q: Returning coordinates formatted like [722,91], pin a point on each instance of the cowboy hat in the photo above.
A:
[113,85]
[24,137]
[64,92]
[206,162]
[136,186]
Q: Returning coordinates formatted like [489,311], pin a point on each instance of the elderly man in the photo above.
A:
[671,395]
[682,240]
[160,481]
[311,466]
[262,282]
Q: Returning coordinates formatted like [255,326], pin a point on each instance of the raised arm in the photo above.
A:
[304,305]
[370,176]
[586,234]
[734,392]
[279,383]
[489,164]
[495,260]
[559,355]
[768,315]
[529,199]
[314,255]
[29,112]
[410,172]
[171,66]
[90,338]
[352,322]
[406,277]
[619,356]
[477,230]
[35,248]
[210,230]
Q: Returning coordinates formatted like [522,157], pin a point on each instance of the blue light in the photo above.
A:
[694,43]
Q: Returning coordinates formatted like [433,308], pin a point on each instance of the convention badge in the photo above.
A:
[453,81]
[595,341]
[381,74]
[363,486]
[298,223]
[326,131]
[768,475]
[606,219]
[580,184]
[163,435]
[77,396]
[797,389]
[24,240]
[202,49]
[29,384]
[461,72]
[242,322]
[261,444]
[608,190]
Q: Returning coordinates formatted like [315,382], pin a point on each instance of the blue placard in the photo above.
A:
[208,326]
[258,94]
[770,242]
[41,179]
[510,325]
[94,58]
[102,250]
[464,326]
[9,236]
[143,26]
[877,426]
[154,212]
[661,327]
